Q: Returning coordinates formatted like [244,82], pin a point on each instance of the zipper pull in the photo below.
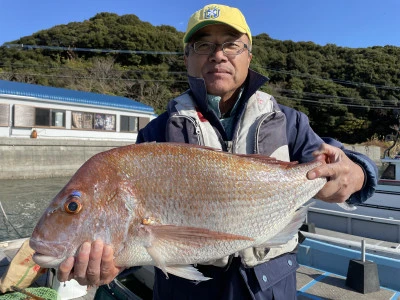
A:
[229,145]
[200,137]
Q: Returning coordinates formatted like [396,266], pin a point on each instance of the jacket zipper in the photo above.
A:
[199,134]
[261,121]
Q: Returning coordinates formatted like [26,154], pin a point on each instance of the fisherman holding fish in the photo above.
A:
[225,109]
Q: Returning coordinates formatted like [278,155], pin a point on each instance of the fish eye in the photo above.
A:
[73,205]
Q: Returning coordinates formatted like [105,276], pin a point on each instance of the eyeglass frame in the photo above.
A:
[215,45]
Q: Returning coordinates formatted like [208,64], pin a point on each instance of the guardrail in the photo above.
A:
[360,225]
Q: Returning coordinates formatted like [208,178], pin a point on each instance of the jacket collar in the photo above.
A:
[198,89]
[253,82]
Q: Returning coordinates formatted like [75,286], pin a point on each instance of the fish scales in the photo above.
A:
[173,204]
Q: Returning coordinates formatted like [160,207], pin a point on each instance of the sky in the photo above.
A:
[345,23]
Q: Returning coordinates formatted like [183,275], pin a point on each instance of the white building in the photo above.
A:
[28,110]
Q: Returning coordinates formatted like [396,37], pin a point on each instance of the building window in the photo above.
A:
[57,118]
[143,122]
[42,117]
[129,124]
[28,116]
[83,120]
[4,114]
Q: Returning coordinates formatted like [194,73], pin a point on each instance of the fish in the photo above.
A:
[175,205]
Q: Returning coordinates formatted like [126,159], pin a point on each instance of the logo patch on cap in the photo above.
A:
[211,13]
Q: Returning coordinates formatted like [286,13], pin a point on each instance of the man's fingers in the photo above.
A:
[327,153]
[344,176]
[93,267]
[326,170]
[108,269]
[64,270]
[329,189]
[81,263]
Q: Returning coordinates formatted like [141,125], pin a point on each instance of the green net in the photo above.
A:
[42,292]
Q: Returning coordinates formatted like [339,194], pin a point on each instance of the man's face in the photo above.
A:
[223,74]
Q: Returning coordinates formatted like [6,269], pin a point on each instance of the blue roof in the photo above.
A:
[70,96]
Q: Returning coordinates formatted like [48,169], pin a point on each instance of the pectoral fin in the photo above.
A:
[187,272]
[287,233]
[158,238]
[191,235]
[347,206]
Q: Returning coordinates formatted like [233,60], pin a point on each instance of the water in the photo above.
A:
[24,201]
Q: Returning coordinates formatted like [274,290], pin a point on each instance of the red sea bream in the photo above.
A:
[174,205]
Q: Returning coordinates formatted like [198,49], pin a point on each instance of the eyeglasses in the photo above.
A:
[228,48]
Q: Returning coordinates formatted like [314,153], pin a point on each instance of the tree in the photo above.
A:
[347,93]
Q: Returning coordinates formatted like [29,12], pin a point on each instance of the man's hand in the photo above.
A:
[344,176]
[93,266]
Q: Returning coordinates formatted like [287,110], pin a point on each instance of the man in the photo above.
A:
[224,109]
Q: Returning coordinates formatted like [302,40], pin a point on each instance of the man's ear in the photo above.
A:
[185,60]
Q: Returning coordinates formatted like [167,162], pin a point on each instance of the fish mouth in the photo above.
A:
[48,254]
[46,261]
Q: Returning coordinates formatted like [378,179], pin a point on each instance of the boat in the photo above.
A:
[389,182]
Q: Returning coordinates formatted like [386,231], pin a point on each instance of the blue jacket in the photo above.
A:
[275,279]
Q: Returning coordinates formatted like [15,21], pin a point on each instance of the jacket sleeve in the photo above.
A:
[153,131]
[302,141]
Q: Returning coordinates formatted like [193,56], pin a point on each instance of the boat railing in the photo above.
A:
[389,252]
[386,229]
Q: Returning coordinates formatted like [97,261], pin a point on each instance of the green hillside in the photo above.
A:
[350,94]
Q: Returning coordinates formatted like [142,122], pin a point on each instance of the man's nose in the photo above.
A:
[218,53]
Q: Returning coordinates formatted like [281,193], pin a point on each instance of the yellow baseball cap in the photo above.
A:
[216,14]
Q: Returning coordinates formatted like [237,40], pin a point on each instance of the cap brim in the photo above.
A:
[196,28]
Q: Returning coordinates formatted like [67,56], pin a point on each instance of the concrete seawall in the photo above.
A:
[42,158]
[373,152]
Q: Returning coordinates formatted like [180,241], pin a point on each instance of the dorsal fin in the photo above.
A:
[267,159]
[254,157]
